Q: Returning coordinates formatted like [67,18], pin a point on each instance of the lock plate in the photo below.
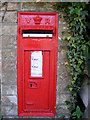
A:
[33,84]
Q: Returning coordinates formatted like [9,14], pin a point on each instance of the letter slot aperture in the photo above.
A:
[37,33]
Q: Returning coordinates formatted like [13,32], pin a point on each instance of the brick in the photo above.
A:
[10,17]
[12,6]
[8,89]
[9,29]
[9,100]
[9,65]
[9,42]
[9,77]
[8,54]
[9,110]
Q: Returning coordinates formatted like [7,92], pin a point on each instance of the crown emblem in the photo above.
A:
[37,19]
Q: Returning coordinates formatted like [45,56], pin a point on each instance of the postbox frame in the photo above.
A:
[20,64]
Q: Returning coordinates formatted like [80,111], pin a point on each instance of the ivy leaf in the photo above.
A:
[77,26]
[80,61]
[68,38]
[67,102]
[70,89]
[73,107]
[78,112]
[63,32]
[73,82]
[73,45]
[60,16]
[64,38]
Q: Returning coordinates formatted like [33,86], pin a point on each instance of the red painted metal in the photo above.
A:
[37,95]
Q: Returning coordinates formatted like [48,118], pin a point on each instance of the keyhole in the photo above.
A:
[30,85]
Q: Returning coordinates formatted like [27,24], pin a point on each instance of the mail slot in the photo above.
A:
[37,33]
[37,38]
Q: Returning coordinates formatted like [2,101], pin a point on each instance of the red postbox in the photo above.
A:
[37,63]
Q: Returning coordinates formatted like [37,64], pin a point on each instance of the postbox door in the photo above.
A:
[36,80]
[37,63]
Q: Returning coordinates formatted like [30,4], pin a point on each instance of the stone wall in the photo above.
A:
[8,42]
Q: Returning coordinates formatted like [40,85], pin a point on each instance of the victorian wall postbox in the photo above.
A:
[37,63]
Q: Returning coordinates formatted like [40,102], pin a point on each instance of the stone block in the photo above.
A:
[9,65]
[1,13]
[9,110]
[0,42]
[62,57]
[62,109]
[0,19]
[9,100]
[50,7]
[61,85]
[9,29]
[28,5]
[9,77]
[0,31]
[3,5]
[61,98]
[10,17]
[0,71]
[62,44]
[12,6]
[8,54]
[39,6]
[9,42]
[3,8]
[8,89]
[0,55]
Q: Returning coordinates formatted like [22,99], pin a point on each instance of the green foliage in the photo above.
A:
[77,113]
[77,15]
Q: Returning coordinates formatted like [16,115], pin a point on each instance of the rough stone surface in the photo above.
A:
[9,100]
[9,42]
[62,98]
[9,110]
[0,42]
[0,31]
[9,65]
[8,54]
[10,17]
[38,6]
[9,29]
[9,89]
[9,77]
[8,37]
[12,6]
